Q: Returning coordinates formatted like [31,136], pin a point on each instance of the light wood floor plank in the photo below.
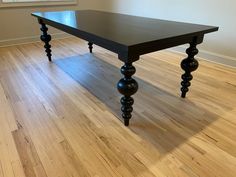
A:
[61,119]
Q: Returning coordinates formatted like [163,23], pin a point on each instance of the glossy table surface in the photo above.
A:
[123,29]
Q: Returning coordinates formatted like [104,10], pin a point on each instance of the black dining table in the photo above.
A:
[129,37]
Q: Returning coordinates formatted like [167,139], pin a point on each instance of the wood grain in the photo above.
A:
[61,119]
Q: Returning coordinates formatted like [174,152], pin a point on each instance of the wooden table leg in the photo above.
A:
[189,65]
[127,86]
[46,38]
[90,47]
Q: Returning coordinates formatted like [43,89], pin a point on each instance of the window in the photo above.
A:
[17,3]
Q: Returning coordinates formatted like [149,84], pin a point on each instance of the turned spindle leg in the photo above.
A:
[90,47]
[127,86]
[189,65]
[46,38]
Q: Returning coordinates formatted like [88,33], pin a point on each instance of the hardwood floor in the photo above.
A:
[60,119]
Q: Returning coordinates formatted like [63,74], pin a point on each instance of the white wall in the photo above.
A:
[211,12]
[17,23]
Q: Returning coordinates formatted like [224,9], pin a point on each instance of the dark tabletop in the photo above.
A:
[123,29]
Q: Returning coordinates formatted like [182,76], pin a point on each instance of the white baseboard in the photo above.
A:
[205,55]
[29,39]
[209,56]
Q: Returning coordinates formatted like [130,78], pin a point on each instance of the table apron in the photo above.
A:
[164,44]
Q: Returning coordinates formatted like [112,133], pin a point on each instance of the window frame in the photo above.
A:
[37,3]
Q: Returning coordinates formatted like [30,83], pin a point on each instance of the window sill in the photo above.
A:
[33,4]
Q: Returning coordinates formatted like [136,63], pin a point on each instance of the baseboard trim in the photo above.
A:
[29,39]
[209,56]
[205,55]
